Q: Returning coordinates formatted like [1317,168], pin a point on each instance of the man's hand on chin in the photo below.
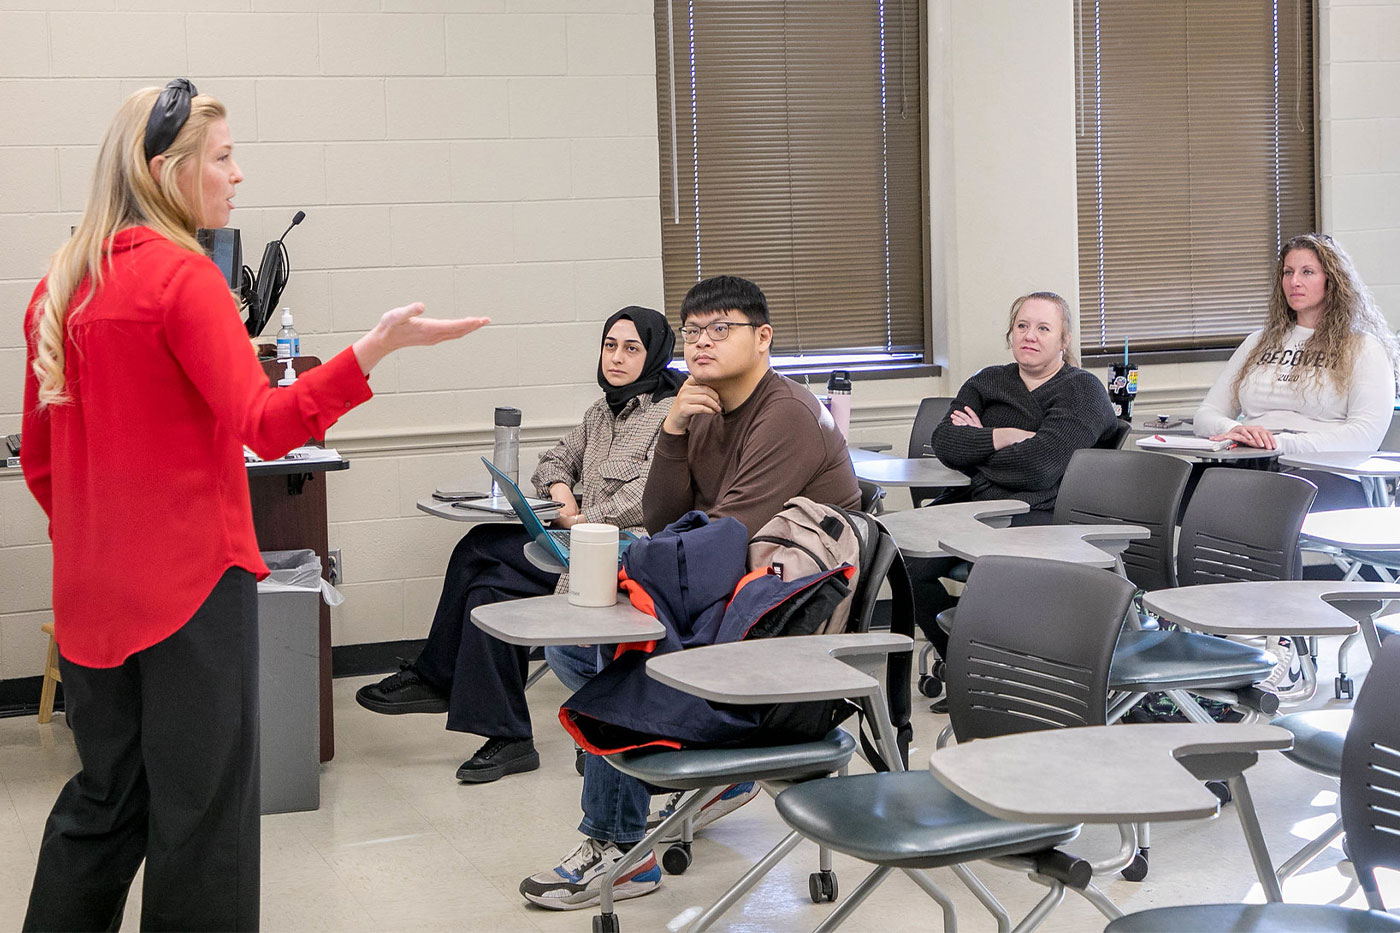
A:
[692,399]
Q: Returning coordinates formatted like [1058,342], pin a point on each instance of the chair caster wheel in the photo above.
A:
[821,885]
[1137,868]
[1221,790]
[579,757]
[1346,689]
[606,923]
[676,859]
[930,686]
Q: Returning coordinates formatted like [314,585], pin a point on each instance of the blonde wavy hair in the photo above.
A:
[1066,322]
[123,194]
[1348,314]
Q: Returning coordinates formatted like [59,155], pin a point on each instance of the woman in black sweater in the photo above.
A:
[1013,428]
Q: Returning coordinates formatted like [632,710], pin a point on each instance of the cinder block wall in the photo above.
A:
[1359,161]
[484,156]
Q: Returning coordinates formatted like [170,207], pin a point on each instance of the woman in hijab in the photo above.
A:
[478,680]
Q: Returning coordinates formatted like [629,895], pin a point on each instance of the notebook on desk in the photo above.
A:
[1182,442]
[553,540]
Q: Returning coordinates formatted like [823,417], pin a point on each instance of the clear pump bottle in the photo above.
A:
[288,341]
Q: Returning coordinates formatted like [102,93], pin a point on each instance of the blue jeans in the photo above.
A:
[614,805]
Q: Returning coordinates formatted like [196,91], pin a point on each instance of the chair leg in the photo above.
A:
[1100,901]
[950,914]
[50,684]
[1254,838]
[1307,853]
[750,878]
[854,899]
[983,894]
[1042,909]
[535,675]
[647,843]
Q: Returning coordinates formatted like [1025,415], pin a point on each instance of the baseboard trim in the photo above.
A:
[19,696]
[380,657]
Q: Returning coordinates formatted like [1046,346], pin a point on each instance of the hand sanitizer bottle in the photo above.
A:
[288,342]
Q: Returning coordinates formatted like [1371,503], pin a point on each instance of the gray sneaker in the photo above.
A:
[577,881]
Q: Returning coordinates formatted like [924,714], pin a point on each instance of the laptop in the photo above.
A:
[553,540]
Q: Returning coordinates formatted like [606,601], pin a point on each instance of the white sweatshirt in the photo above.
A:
[1273,396]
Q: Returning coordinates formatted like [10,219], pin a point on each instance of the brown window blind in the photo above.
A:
[791,154]
[1195,161]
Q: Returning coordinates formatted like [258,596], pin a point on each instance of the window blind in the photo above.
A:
[791,154]
[1195,161]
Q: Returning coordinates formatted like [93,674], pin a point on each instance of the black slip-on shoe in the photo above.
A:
[497,758]
[402,692]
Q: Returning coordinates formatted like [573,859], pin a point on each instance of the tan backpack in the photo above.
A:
[807,537]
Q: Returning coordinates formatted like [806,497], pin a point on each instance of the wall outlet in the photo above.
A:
[336,567]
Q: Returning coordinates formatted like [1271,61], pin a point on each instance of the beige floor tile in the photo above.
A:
[398,844]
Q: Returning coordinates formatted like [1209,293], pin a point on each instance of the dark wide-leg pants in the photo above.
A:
[168,742]
[483,676]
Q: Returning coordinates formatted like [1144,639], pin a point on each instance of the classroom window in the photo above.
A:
[791,137]
[1194,127]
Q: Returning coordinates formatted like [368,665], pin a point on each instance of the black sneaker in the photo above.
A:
[497,758]
[403,692]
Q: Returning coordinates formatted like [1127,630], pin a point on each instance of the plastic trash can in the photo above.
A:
[289,649]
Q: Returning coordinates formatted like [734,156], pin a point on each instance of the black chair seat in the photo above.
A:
[946,618]
[689,768]
[1255,918]
[907,819]
[1157,660]
[1318,737]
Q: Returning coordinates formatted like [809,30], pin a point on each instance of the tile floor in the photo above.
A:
[398,844]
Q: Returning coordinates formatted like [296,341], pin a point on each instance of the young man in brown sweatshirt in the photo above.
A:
[740,440]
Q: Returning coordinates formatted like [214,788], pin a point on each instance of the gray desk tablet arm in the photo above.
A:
[792,670]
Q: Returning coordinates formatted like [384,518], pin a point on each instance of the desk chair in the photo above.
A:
[1240,525]
[1134,489]
[931,413]
[706,771]
[1011,668]
[1368,763]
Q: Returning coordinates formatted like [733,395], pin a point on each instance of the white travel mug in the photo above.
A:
[593,564]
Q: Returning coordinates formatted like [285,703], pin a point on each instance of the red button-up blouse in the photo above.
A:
[142,473]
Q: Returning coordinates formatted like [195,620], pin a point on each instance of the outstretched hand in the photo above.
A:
[406,327]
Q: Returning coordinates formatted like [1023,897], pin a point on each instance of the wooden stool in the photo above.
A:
[52,678]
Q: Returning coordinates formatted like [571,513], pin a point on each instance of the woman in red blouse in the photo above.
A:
[141,390]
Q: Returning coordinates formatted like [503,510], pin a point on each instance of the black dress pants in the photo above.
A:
[169,748]
[483,676]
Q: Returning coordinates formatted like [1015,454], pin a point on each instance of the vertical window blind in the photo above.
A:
[791,137]
[1195,162]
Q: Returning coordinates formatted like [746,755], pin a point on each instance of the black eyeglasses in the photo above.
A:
[718,330]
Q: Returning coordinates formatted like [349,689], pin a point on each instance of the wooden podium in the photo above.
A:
[289,512]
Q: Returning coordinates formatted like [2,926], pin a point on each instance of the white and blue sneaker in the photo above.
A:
[577,881]
[727,800]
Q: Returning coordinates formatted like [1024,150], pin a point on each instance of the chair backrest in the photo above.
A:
[872,497]
[1128,487]
[931,413]
[872,575]
[1242,525]
[1371,773]
[1114,436]
[1032,646]
[1391,441]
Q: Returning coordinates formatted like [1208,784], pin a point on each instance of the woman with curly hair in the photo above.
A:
[1320,375]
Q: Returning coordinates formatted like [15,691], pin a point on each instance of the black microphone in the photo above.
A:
[296,219]
[271,279]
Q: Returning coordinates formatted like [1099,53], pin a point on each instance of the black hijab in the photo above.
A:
[660,341]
